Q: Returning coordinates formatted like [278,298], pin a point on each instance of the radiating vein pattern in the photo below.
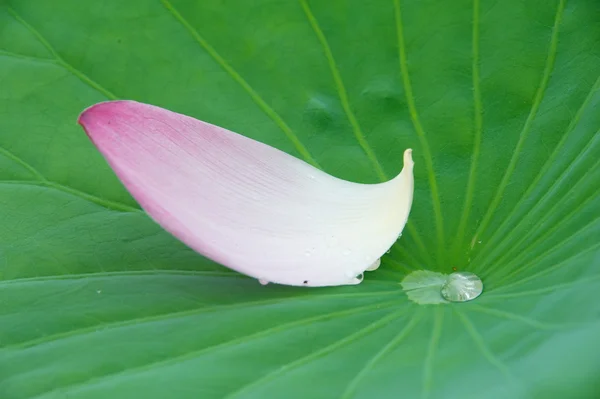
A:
[350,339]
[483,347]
[88,385]
[478,131]
[538,223]
[389,347]
[500,101]
[539,96]
[528,201]
[410,99]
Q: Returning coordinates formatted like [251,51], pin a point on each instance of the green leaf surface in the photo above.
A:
[500,101]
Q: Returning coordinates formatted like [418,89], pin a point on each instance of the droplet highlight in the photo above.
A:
[462,287]
[262,281]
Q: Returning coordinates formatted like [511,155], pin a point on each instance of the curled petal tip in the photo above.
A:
[244,204]
[408,161]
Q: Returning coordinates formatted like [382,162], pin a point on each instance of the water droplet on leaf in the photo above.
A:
[462,287]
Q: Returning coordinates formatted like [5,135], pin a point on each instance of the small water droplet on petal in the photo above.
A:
[374,266]
[462,287]
[262,281]
[360,277]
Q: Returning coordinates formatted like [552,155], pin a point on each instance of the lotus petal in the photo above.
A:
[246,205]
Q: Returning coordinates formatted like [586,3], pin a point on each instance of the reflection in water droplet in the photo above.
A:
[462,287]
[360,277]
[262,281]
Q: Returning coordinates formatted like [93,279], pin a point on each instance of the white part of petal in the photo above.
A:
[246,205]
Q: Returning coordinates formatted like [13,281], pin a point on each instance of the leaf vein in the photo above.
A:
[414,116]
[9,54]
[214,347]
[557,247]
[515,317]
[110,326]
[436,335]
[111,205]
[482,346]
[545,290]
[74,71]
[491,242]
[355,382]
[507,252]
[319,354]
[545,271]
[341,89]
[539,96]
[478,121]
[270,112]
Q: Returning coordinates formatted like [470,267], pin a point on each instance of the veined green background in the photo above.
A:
[499,100]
